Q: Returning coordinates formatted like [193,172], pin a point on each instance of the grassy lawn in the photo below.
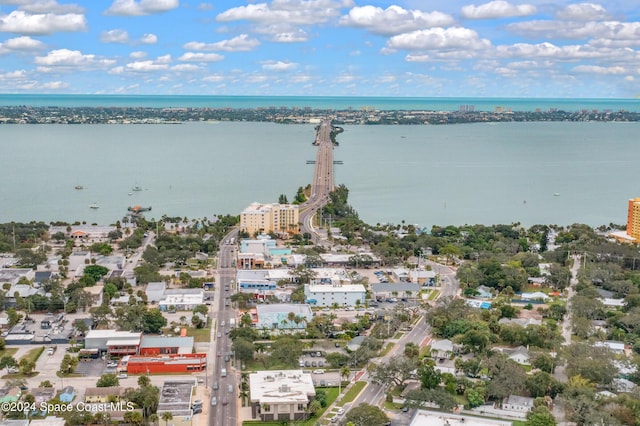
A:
[34,354]
[8,352]
[386,349]
[433,294]
[256,365]
[398,335]
[391,405]
[353,392]
[199,334]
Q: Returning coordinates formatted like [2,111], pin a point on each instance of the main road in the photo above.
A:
[225,412]
[323,182]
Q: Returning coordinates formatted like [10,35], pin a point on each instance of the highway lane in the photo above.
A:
[225,413]
[323,180]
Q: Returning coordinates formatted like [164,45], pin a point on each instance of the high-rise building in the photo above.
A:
[633,218]
[265,218]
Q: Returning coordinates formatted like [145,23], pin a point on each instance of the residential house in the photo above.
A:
[614,346]
[520,355]
[10,394]
[43,394]
[442,349]
[536,295]
[518,403]
[484,292]
[106,394]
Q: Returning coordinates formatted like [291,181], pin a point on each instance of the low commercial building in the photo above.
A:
[340,295]
[402,289]
[164,364]
[116,343]
[432,418]
[184,299]
[156,345]
[276,316]
[155,291]
[175,398]
[280,395]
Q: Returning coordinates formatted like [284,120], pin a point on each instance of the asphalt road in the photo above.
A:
[225,413]
[323,181]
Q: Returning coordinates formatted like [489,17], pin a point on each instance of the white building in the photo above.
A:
[276,316]
[518,403]
[155,291]
[328,295]
[280,395]
[183,299]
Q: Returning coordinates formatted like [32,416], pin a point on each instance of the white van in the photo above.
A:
[223,372]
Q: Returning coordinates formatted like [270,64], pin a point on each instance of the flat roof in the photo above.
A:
[166,342]
[431,418]
[122,342]
[377,287]
[281,387]
[175,397]
[298,309]
[112,334]
[329,288]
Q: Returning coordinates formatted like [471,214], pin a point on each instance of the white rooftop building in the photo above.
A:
[280,395]
[184,299]
[330,294]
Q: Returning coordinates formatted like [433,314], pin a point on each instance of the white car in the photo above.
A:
[123,376]
[341,411]
[318,371]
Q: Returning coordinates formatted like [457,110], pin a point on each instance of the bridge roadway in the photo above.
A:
[323,181]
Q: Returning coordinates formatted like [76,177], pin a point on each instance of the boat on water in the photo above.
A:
[94,206]
[139,209]
[556,194]
[136,188]
[79,187]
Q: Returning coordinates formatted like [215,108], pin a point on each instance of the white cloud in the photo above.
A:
[497,9]
[114,36]
[609,30]
[215,78]
[149,39]
[201,57]
[14,75]
[138,54]
[142,7]
[294,12]
[438,38]
[185,67]
[22,43]
[394,19]
[241,43]
[564,53]
[146,66]
[21,22]
[594,69]
[72,59]
[54,85]
[279,66]
[583,12]
[297,36]
[44,6]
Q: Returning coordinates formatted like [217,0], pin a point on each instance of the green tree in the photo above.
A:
[367,415]
[153,321]
[7,361]
[107,380]
[430,378]
[540,416]
[166,416]
[286,350]
[243,348]
[411,350]
[95,271]
[26,366]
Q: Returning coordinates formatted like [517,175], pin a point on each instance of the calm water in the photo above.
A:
[321,102]
[475,173]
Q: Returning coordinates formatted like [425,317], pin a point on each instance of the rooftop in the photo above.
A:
[298,309]
[175,397]
[430,418]
[166,342]
[281,387]
[329,288]
[112,334]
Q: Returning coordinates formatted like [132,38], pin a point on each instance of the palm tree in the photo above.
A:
[154,419]
[166,416]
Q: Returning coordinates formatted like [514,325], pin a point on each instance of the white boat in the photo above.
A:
[94,206]
[79,187]
[556,194]
[136,188]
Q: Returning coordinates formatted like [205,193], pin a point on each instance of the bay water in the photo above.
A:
[533,172]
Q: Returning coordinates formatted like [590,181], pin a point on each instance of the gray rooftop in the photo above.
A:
[166,342]
[389,287]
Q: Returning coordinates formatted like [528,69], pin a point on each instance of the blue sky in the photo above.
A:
[322,47]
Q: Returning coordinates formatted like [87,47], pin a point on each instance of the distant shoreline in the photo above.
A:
[286,115]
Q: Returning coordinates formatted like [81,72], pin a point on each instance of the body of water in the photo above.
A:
[548,173]
[322,102]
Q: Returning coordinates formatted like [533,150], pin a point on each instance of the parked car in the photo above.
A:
[216,386]
[123,376]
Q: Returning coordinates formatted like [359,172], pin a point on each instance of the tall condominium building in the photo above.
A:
[633,218]
[259,218]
